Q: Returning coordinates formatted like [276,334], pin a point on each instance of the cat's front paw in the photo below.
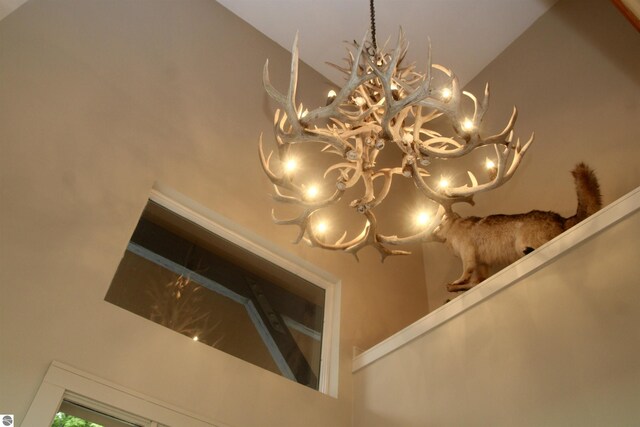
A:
[458,287]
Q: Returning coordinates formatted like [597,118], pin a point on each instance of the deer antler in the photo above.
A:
[382,103]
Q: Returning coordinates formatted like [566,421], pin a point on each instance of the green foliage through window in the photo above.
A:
[63,420]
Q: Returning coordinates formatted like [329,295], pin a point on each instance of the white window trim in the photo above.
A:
[227,229]
[63,382]
[510,275]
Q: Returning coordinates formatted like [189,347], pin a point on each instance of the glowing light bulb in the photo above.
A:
[331,95]
[290,165]
[490,164]
[322,227]
[444,183]
[446,93]
[467,125]
[312,192]
[195,338]
[423,218]
[360,101]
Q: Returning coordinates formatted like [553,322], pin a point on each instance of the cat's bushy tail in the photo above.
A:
[588,192]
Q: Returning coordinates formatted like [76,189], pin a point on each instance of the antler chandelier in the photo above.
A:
[383,105]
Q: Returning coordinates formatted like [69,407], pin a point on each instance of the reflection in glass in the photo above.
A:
[187,279]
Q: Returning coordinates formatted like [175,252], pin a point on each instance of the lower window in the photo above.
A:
[71,414]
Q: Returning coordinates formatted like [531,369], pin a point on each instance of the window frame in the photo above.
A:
[221,226]
[63,382]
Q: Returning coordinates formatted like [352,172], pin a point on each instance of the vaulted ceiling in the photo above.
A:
[466,35]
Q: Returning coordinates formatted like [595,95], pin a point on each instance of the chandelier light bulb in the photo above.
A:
[195,338]
[423,218]
[312,192]
[444,183]
[290,165]
[446,93]
[322,227]
[467,125]
[360,101]
[331,95]
[490,164]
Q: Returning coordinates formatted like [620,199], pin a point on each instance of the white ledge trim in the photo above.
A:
[506,277]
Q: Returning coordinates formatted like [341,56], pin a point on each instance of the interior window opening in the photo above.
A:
[184,277]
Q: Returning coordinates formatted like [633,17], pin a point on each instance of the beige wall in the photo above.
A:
[558,348]
[575,78]
[99,100]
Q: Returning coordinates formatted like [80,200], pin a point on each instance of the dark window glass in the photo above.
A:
[181,276]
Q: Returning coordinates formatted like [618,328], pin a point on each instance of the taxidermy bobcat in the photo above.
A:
[502,239]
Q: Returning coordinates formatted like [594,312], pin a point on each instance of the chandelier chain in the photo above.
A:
[372,13]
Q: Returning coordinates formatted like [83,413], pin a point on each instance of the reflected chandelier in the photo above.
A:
[384,105]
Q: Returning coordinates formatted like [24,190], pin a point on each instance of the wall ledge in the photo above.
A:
[506,277]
